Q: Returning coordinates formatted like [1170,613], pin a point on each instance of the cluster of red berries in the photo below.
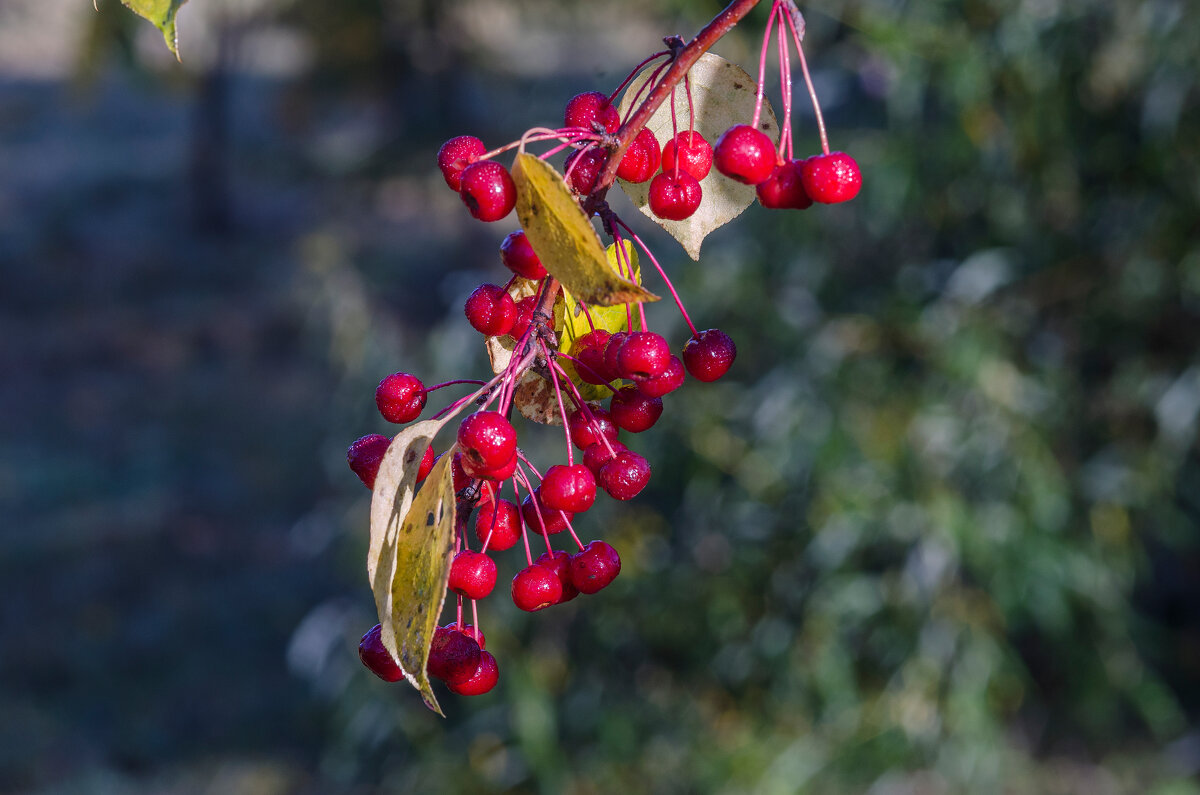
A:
[635,365]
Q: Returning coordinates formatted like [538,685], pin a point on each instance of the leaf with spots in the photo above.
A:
[722,95]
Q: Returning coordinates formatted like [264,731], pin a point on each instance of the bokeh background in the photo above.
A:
[937,532]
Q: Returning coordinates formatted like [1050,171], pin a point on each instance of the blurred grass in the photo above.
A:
[936,533]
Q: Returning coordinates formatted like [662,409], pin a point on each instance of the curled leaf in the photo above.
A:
[564,238]
[722,95]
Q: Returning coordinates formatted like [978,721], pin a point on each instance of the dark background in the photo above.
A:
[935,533]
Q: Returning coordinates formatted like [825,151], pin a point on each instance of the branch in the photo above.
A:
[721,24]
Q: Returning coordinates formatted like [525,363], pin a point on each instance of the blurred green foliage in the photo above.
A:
[936,532]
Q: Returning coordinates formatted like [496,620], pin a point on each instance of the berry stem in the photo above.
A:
[785,78]
[762,68]
[520,513]
[795,21]
[633,73]
[657,267]
[554,375]
[721,24]
[452,383]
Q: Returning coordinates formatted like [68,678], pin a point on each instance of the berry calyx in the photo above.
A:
[518,256]
[491,310]
[568,488]
[376,658]
[591,106]
[594,567]
[400,397]
[551,519]
[691,151]
[831,178]
[559,562]
[472,574]
[455,155]
[487,439]
[483,680]
[668,380]
[498,524]
[500,473]
[675,197]
[364,456]
[583,168]
[598,454]
[709,354]
[641,159]
[536,588]
[784,189]
[744,154]
[453,657]
[625,476]
[634,411]
[587,429]
[643,355]
[488,190]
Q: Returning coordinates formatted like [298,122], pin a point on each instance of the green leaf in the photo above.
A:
[161,13]
[564,238]
[722,95]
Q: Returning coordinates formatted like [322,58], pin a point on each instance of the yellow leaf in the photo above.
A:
[571,322]
[564,238]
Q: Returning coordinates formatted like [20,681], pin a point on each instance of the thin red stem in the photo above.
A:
[812,92]
[662,273]
[633,73]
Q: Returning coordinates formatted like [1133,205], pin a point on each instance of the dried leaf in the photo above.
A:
[722,96]
[535,399]
[500,349]
[564,238]
[162,14]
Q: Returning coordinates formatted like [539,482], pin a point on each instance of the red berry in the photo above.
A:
[589,350]
[400,397]
[643,355]
[612,353]
[525,309]
[455,155]
[634,411]
[488,190]
[709,354]
[484,679]
[587,429]
[519,257]
[502,521]
[625,476]
[364,456]
[675,196]
[831,178]
[692,150]
[471,631]
[744,154]
[594,567]
[597,455]
[568,488]
[667,381]
[553,521]
[500,473]
[453,657]
[378,659]
[582,169]
[536,588]
[472,574]
[591,106]
[487,439]
[491,310]
[641,159]
[426,464]
[784,190]
[559,562]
